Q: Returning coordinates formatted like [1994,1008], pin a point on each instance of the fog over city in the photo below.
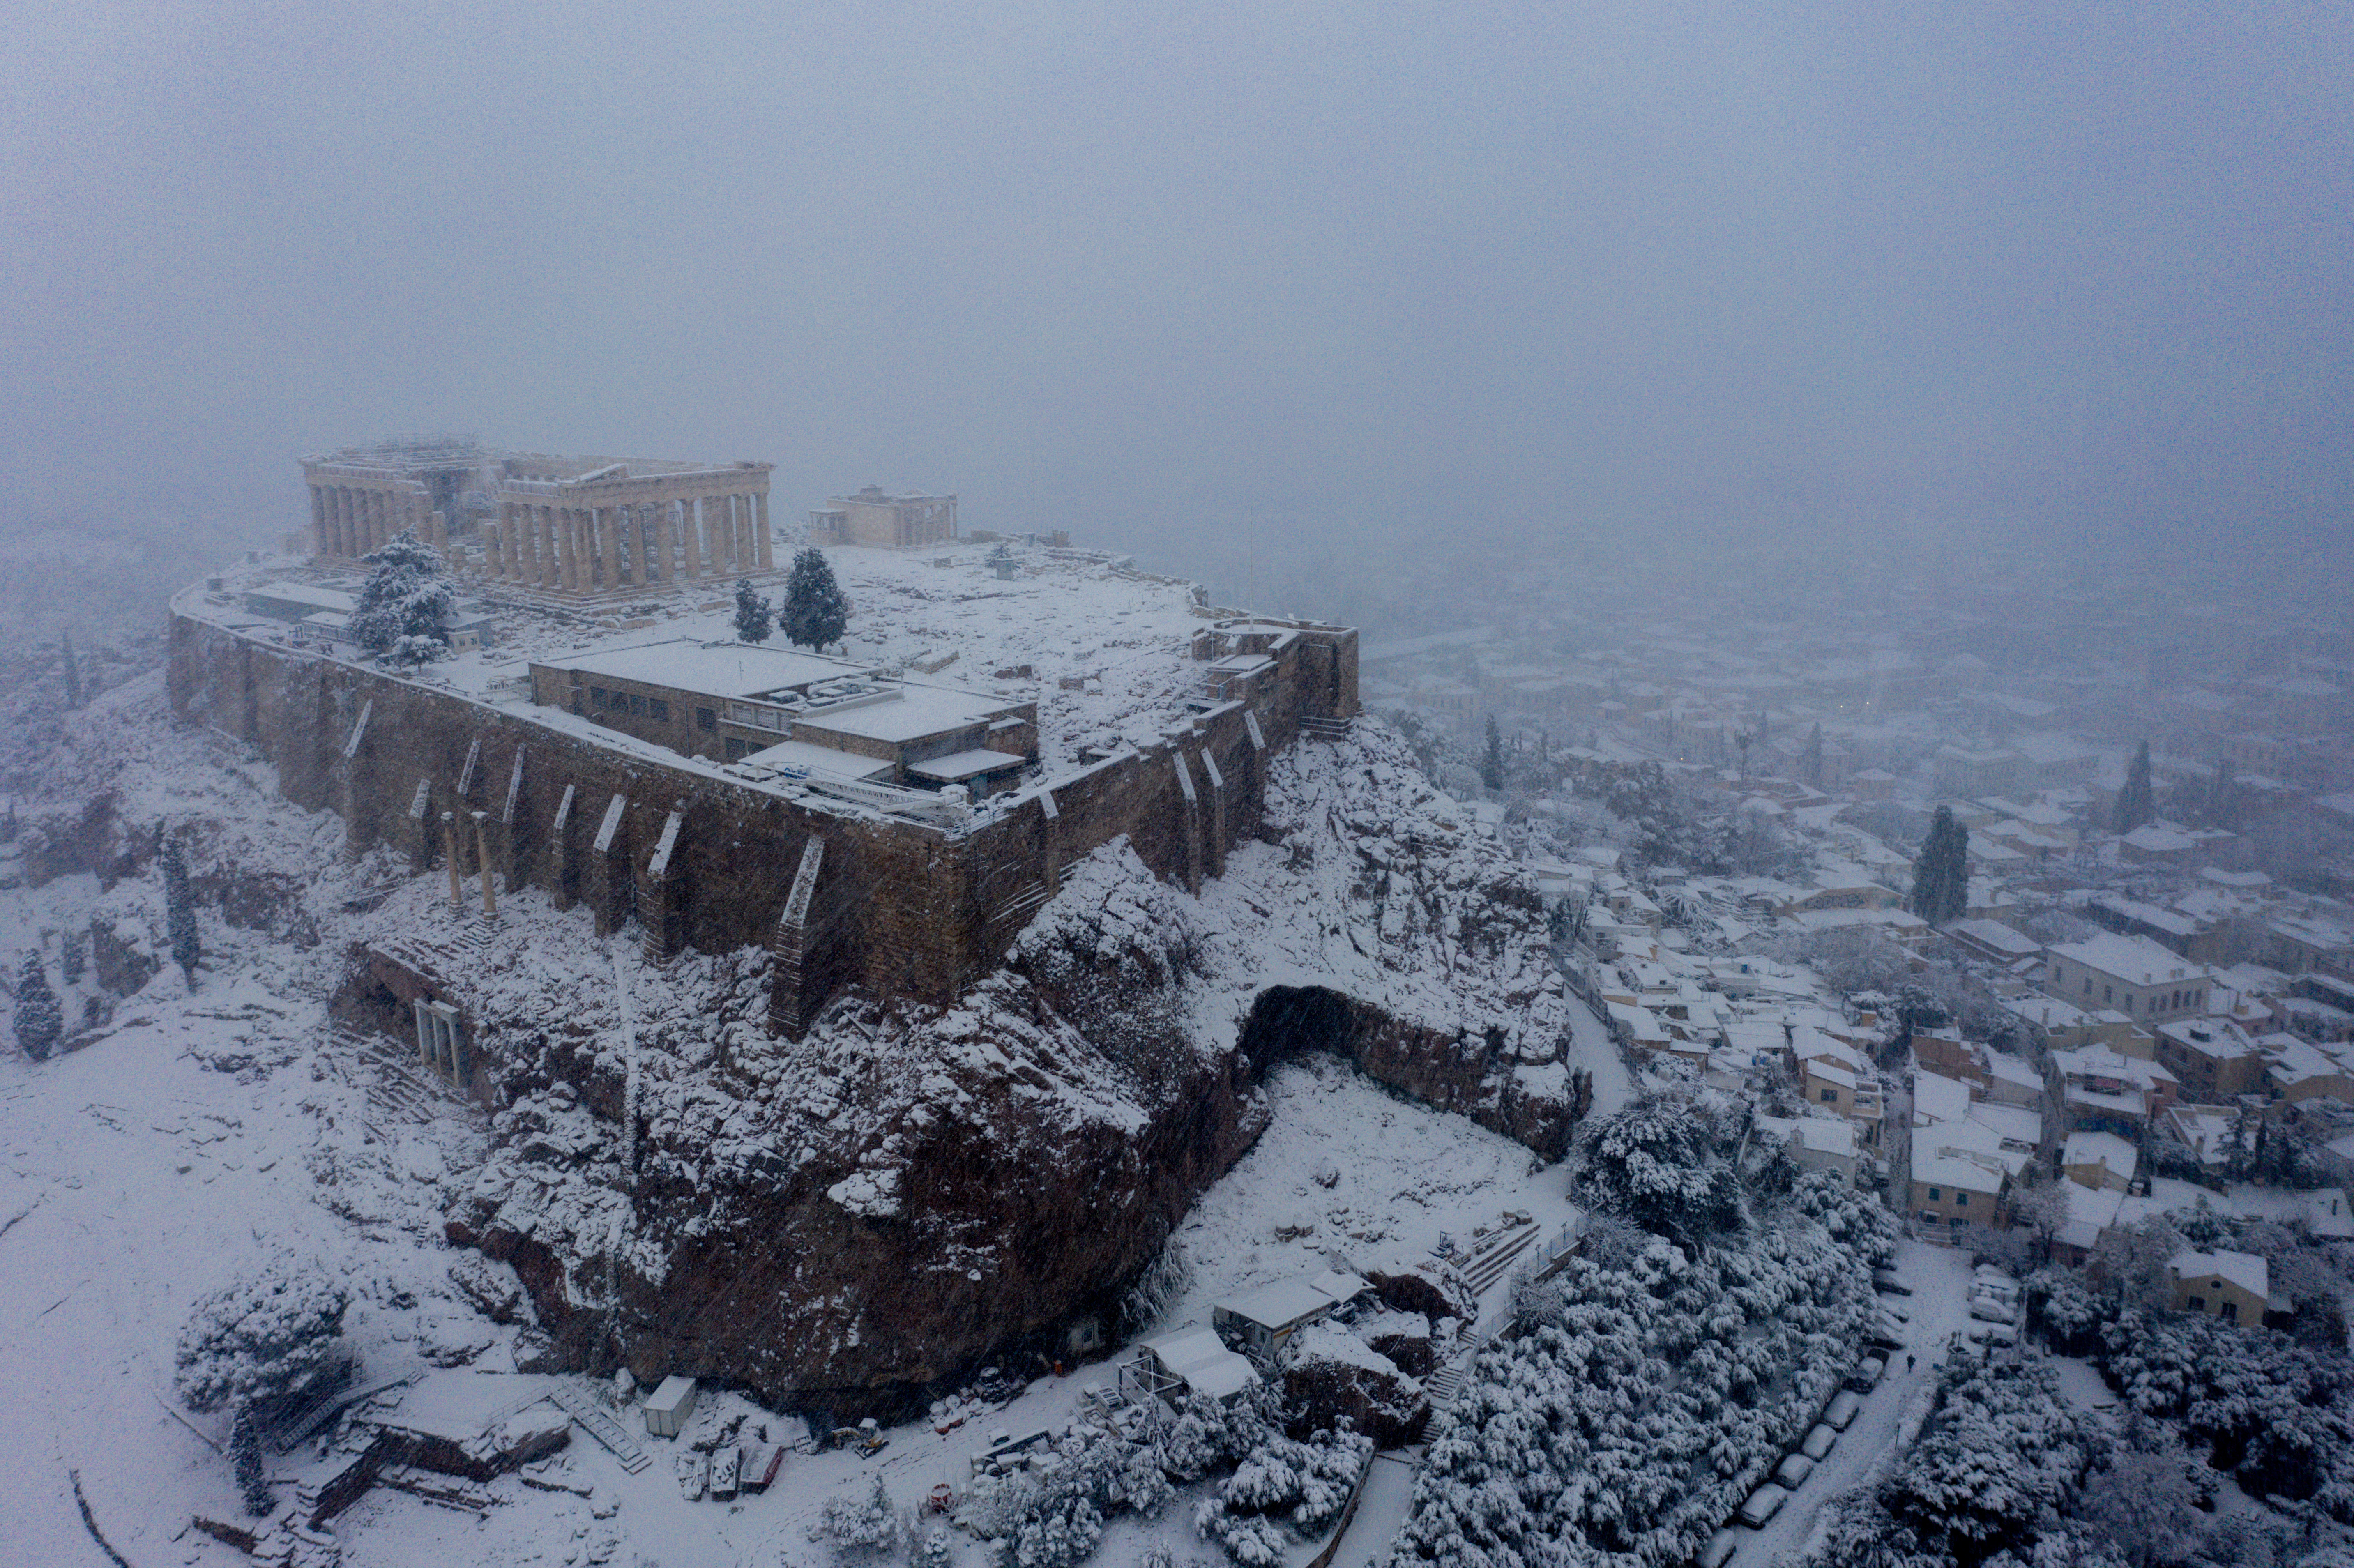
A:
[1341,787]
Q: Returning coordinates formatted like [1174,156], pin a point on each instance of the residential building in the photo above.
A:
[2132,975]
[2233,1285]
[2095,1088]
[2212,1059]
[2099,1160]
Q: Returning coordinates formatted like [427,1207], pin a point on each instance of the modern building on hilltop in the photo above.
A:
[795,713]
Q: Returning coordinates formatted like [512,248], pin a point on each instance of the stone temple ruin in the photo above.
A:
[570,528]
[825,812]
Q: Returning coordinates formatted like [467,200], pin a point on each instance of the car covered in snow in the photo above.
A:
[1867,1374]
[1793,1470]
[1988,1309]
[1762,1505]
[1884,1280]
[1819,1441]
[1719,1550]
[1841,1412]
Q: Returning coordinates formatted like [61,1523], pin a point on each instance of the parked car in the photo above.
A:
[1841,1411]
[1794,1471]
[1882,1335]
[1719,1549]
[1762,1505]
[1867,1374]
[1987,1309]
[1885,1281]
[1817,1442]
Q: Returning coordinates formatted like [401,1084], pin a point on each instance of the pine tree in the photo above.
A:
[1491,761]
[2135,804]
[1810,761]
[755,619]
[73,675]
[404,610]
[180,910]
[1941,877]
[816,613]
[40,1021]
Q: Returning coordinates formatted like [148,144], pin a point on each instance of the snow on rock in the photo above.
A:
[1333,1376]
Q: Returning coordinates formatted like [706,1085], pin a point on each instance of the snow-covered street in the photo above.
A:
[1938,1306]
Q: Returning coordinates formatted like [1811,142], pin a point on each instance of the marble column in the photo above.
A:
[665,564]
[762,543]
[690,524]
[611,517]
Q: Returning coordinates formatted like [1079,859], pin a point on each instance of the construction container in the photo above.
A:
[669,1406]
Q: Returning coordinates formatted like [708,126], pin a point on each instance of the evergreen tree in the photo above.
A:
[1810,761]
[1491,761]
[245,1453]
[755,619]
[40,1021]
[816,613]
[2136,804]
[180,910]
[404,610]
[73,675]
[1941,877]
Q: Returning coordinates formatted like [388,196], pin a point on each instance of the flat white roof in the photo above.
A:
[1196,1354]
[812,758]
[1279,1305]
[714,669]
[957,767]
[917,712]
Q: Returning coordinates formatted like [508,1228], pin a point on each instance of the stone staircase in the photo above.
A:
[600,1426]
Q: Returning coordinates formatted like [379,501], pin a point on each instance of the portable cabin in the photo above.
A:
[1193,1360]
[669,1406]
[1262,1321]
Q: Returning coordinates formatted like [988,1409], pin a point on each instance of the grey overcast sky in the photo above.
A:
[1138,270]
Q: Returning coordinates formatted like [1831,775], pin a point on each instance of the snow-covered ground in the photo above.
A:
[1938,1306]
[1402,1176]
[1123,642]
[205,1132]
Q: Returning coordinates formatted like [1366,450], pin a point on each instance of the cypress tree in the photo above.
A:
[1810,761]
[755,619]
[1491,761]
[180,910]
[40,1021]
[73,675]
[816,612]
[2135,804]
[1941,877]
[245,1453]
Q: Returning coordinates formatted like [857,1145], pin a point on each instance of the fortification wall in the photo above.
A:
[898,907]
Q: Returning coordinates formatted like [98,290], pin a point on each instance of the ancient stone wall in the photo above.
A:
[901,908]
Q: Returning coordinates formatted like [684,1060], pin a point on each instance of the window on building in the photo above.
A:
[660,709]
[637,706]
[597,696]
[1831,1097]
[2199,1303]
[2108,994]
[2088,985]
[734,749]
[706,719]
[1934,1195]
[2231,1311]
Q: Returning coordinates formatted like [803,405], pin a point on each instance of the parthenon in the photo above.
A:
[566,526]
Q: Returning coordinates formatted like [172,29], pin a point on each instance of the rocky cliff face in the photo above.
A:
[843,1222]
